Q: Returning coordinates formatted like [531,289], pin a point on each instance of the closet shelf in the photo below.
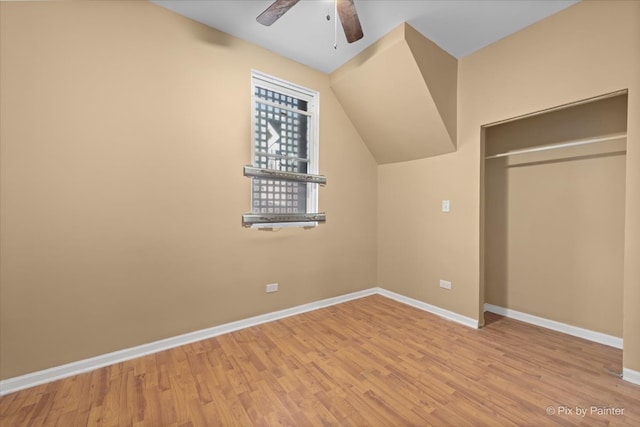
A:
[572,143]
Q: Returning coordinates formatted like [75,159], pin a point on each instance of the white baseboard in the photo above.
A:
[11,385]
[449,315]
[631,376]
[576,331]
[14,384]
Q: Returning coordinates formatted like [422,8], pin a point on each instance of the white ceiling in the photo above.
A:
[303,34]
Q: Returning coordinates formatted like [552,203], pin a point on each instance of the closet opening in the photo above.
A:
[553,203]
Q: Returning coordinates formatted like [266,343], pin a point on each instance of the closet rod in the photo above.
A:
[573,143]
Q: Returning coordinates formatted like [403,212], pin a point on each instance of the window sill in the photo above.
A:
[277,225]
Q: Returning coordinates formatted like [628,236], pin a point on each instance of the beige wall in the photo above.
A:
[124,131]
[554,220]
[589,49]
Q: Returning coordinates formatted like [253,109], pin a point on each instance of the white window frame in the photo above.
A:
[275,84]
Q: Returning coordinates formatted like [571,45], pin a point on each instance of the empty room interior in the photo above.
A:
[362,213]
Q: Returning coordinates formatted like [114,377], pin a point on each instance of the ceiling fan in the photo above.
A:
[345,8]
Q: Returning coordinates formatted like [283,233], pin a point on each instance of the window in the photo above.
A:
[284,152]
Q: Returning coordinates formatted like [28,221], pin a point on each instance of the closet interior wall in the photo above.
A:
[554,220]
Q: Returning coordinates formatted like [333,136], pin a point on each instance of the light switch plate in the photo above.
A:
[445,205]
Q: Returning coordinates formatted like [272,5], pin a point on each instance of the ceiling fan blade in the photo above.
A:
[275,11]
[350,21]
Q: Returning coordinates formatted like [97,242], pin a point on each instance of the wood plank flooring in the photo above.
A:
[368,362]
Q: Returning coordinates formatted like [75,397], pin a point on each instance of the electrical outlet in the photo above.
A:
[272,287]
[445,284]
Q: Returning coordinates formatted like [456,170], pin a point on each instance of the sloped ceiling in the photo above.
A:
[400,93]
[305,35]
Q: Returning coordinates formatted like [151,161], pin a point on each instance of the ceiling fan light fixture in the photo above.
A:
[346,10]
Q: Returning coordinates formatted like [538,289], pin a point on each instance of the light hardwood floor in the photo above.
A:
[368,362]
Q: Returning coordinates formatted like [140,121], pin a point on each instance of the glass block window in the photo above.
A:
[284,139]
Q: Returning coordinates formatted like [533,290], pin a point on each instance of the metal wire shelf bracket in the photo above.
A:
[253,171]
[256,218]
